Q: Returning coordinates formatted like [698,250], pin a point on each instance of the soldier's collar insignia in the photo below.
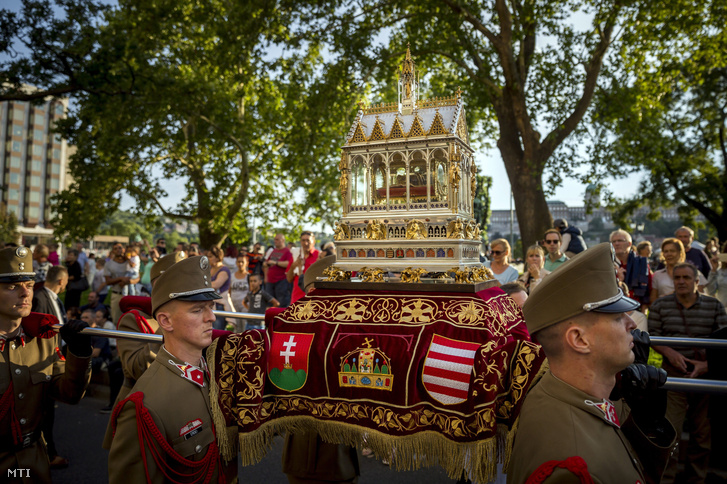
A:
[19,336]
[191,372]
[608,410]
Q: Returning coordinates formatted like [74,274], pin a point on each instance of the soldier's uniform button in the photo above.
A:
[198,449]
[47,378]
[21,395]
[22,421]
[12,345]
[17,371]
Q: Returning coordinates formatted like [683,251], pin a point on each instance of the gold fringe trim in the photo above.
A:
[478,460]
[226,441]
[510,440]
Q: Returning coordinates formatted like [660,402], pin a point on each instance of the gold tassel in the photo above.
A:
[225,435]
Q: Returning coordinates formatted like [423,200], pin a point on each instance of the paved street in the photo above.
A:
[79,431]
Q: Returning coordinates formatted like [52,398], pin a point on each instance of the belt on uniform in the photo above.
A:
[28,440]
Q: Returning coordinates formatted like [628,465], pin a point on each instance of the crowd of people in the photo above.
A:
[669,296]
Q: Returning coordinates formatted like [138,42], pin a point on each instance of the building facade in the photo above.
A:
[33,164]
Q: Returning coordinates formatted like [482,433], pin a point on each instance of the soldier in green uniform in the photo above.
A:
[569,429]
[136,356]
[163,431]
[32,370]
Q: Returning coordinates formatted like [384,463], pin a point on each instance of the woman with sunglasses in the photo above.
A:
[500,264]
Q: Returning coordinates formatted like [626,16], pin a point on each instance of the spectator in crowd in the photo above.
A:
[161,246]
[101,316]
[553,241]
[40,264]
[221,281]
[53,256]
[517,291]
[101,353]
[572,241]
[82,257]
[276,265]
[90,270]
[662,284]
[687,313]
[258,301]
[254,259]
[643,249]
[717,280]
[145,280]
[46,300]
[329,245]
[230,258]
[115,371]
[500,264]
[76,280]
[194,250]
[133,261]
[94,302]
[181,247]
[633,269]
[99,280]
[712,247]
[115,272]
[692,254]
[534,269]
[239,289]
[307,255]
[328,251]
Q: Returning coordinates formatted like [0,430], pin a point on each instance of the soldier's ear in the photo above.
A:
[164,321]
[576,338]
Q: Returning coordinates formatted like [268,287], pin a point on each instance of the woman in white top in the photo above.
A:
[662,283]
[534,273]
[717,280]
[500,264]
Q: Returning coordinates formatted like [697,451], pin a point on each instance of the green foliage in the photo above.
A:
[129,225]
[483,203]
[8,225]
[228,101]
[668,120]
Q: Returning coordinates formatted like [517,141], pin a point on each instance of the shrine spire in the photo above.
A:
[408,84]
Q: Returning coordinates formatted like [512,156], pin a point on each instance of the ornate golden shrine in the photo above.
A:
[407,185]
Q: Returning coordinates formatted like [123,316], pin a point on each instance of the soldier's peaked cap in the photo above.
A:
[16,265]
[165,263]
[187,280]
[587,282]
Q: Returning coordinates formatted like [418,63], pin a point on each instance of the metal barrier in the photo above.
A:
[688,342]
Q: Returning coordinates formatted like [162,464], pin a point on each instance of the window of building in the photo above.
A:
[56,154]
[38,134]
[59,109]
[34,181]
[37,150]
[39,118]
[15,178]
[13,195]
[35,164]
[17,130]
[15,162]
[55,183]
[34,212]
[34,196]
[17,146]
[18,113]
[55,169]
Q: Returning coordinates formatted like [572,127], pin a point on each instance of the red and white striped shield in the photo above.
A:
[448,369]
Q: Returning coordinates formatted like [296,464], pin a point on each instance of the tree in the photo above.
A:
[483,203]
[529,75]
[231,100]
[670,120]
[8,225]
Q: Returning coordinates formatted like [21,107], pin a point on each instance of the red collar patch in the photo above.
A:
[191,372]
[608,410]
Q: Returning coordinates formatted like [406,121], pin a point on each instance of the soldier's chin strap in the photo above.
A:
[149,434]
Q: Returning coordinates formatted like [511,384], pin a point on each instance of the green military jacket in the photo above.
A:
[136,356]
[176,396]
[558,421]
[32,363]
